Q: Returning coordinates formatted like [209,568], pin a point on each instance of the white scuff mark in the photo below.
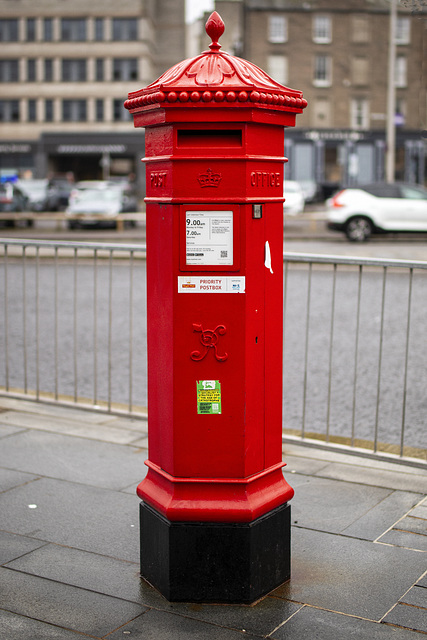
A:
[32,506]
[267,260]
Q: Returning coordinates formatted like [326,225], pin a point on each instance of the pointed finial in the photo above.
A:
[215,28]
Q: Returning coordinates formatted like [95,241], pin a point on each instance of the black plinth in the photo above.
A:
[213,562]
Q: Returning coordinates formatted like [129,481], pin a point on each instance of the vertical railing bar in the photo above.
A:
[6,320]
[405,378]
[285,291]
[95,327]
[356,356]
[307,328]
[37,296]
[380,354]
[75,326]
[331,340]
[131,331]
[24,311]
[56,356]
[110,317]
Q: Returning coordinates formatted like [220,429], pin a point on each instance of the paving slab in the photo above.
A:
[10,479]
[13,546]
[383,516]
[347,575]
[92,430]
[86,570]
[70,607]
[75,459]
[329,505]
[327,625]
[407,540]
[398,479]
[15,627]
[408,616]
[416,596]
[415,525]
[79,516]
[55,410]
[8,430]
[160,625]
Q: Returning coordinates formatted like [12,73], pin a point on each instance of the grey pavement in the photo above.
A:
[69,541]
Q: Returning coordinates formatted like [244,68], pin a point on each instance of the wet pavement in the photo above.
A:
[69,550]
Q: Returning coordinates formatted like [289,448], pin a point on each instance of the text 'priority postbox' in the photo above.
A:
[215,518]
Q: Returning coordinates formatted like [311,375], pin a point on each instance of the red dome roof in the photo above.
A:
[217,77]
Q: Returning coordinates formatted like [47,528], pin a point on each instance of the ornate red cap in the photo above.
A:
[216,77]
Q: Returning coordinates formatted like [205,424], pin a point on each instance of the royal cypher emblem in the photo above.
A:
[208,340]
[209,179]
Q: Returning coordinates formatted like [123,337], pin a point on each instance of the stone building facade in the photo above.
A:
[65,71]
[336,52]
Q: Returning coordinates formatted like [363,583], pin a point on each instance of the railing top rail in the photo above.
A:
[66,244]
[353,260]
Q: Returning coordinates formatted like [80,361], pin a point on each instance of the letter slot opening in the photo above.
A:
[210,138]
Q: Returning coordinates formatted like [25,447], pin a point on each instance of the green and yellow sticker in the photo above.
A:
[208,396]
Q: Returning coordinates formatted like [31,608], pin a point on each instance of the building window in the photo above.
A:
[360,71]
[73,29]
[31,29]
[48,110]
[125,69]
[9,70]
[322,71]
[99,110]
[322,29]
[9,110]
[48,69]
[119,112]
[359,114]
[125,29]
[32,111]
[321,113]
[99,29]
[48,29]
[99,69]
[74,110]
[277,29]
[401,79]
[403,31]
[277,67]
[360,29]
[9,30]
[74,70]
[31,70]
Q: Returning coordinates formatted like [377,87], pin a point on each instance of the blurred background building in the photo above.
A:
[336,52]
[66,69]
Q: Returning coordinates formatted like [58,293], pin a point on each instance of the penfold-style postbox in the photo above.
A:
[214,516]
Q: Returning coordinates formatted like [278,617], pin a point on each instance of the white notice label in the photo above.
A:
[209,237]
[211,284]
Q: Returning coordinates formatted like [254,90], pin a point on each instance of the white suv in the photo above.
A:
[378,208]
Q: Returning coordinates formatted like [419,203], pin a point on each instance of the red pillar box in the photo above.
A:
[215,519]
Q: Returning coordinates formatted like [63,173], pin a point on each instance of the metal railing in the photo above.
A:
[73,331]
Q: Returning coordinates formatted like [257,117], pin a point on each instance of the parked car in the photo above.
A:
[12,200]
[62,189]
[378,208]
[98,206]
[294,198]
[42,195]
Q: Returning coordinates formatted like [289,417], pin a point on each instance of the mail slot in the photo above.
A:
[215,513]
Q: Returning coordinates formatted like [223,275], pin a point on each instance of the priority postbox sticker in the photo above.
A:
[208,397]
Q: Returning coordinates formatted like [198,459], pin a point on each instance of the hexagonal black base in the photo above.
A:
[213,562]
